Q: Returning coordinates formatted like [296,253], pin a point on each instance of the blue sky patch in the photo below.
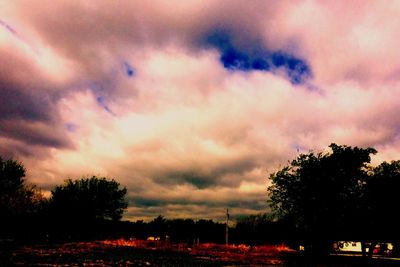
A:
[297,70]
[258,58]
[128,69]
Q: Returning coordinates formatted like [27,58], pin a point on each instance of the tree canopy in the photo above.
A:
[381,201]
[12,175]
[16,196]
[321,193]
[89,198]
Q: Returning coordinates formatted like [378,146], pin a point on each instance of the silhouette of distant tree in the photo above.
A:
[158,227]
[182,230]
[91,198]
[322,194]
[210,231]
[262,228]
[252,229]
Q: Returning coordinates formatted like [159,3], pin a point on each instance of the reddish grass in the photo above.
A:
[241,254]
[124,252]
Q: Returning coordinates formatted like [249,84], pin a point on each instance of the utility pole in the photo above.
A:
[227,227]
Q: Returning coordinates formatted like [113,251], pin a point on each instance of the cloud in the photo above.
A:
[192,104]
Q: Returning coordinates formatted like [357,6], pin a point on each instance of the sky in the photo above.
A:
[192,104]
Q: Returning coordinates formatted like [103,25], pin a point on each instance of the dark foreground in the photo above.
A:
[157,253]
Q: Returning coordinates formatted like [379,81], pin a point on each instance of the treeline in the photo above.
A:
[179,230]
[252,230]
[91,208]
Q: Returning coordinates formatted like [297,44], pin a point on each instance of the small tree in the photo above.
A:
[89,199]
[322,193]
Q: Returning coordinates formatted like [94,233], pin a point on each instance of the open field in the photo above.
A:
[143,253]
[158,253]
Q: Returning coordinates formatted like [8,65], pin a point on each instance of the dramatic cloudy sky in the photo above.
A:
[191,104]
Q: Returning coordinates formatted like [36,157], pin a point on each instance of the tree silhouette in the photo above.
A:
[16,196]
[262,228]
[158,227]
[89,199]
[381,204]
[322,193]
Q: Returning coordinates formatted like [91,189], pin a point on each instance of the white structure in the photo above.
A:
[355,247]
[348,246]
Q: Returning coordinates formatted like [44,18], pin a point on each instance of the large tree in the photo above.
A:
[89,199]
[321,193]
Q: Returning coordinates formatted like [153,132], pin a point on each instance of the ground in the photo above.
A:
[157,253]
[142,253]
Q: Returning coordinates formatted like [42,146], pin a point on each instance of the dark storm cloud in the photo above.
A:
[16,103]
[190,206]
[193,177]
[34,133]
[247,201]
[227,173]
[30,116]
